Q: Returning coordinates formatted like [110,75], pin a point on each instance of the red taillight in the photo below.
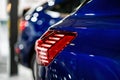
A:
[17,50]
[50,44]
[22,25]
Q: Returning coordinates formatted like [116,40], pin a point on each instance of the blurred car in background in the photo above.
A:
[83,46]
[34,24]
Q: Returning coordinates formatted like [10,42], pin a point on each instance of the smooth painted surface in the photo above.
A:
[94,54]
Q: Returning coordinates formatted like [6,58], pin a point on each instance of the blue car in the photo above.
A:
[34,24]
[83,46]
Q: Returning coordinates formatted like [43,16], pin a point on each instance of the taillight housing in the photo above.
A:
[22,25]
[50,44]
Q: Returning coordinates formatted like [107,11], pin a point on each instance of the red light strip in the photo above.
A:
[51,44]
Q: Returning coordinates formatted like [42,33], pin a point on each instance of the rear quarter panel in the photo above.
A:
[79,66]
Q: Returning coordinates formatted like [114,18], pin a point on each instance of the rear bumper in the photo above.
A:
[22,54]
[74,66]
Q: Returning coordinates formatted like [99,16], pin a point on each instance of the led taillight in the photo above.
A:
[50,44]
[22,25]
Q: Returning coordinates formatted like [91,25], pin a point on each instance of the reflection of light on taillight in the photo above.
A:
[50,44]
[22,25]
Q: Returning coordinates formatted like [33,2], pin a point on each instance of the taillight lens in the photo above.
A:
[17,50]
[50,44]
[22,25]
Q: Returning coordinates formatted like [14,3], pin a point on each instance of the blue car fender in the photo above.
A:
[83,67]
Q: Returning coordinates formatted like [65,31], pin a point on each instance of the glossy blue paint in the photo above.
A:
[100,8]
[74,66]
[95,53]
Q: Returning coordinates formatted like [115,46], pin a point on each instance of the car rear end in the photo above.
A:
[84,46]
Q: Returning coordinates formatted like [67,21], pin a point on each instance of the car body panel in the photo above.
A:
[74,66]
[94,53]
[94,36]
[100,8]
